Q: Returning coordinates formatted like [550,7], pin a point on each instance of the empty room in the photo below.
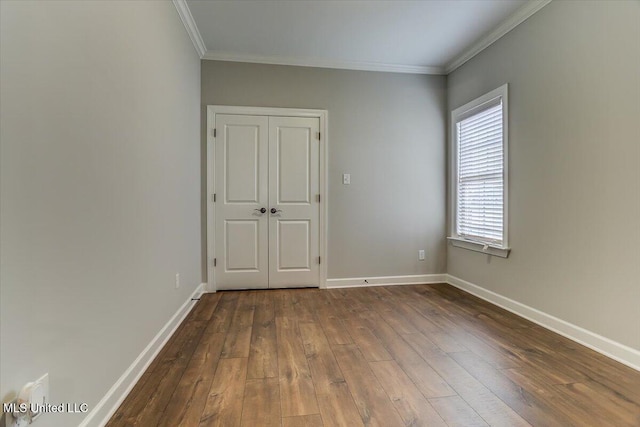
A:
[319,213]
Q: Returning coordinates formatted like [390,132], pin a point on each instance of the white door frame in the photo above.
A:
[322,115]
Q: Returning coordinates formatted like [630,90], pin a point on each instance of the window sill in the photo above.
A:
[479,247]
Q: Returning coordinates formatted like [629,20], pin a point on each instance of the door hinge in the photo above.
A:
[319,135]
[318,198]
[215,262]
[213,197]
[215,133]
[319,260]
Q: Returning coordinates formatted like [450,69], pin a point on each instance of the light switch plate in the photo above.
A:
[346,178]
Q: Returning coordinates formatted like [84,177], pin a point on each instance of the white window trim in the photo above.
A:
[456,116]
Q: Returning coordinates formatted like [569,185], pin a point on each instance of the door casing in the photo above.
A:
[322,115]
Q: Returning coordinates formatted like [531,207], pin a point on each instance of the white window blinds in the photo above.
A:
[480,185]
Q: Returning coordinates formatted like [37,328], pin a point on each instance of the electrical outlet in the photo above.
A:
[34,395]
[177,280]
[346,178]
[421,255]
[41,392]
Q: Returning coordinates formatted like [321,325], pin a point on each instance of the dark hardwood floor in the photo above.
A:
[424,355]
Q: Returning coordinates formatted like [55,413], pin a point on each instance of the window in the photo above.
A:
[479,174]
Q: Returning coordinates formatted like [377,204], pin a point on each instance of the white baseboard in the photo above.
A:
[108,405]
[354,282]
[612,349]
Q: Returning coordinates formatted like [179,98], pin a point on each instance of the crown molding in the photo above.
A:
[521,15]
[190,25]
[323,63]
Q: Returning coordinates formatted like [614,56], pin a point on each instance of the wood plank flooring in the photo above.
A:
[420,355]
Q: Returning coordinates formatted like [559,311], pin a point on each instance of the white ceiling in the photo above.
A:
[428,36]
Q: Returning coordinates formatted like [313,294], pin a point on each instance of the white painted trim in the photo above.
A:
[324,63]
[211,185]
[521,15]
[323,116]
[612,349]
[457,115]
[104,410]
[191,27]
[324,197]
[479,247]
[517,18]
[356,282]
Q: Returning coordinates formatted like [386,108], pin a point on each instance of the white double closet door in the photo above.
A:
[267,204]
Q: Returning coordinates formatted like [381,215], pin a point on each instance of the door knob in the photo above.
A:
[274,210]
[261,210]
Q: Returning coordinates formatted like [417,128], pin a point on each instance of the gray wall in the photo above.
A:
[100,189]
[387,130]
[574,79]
